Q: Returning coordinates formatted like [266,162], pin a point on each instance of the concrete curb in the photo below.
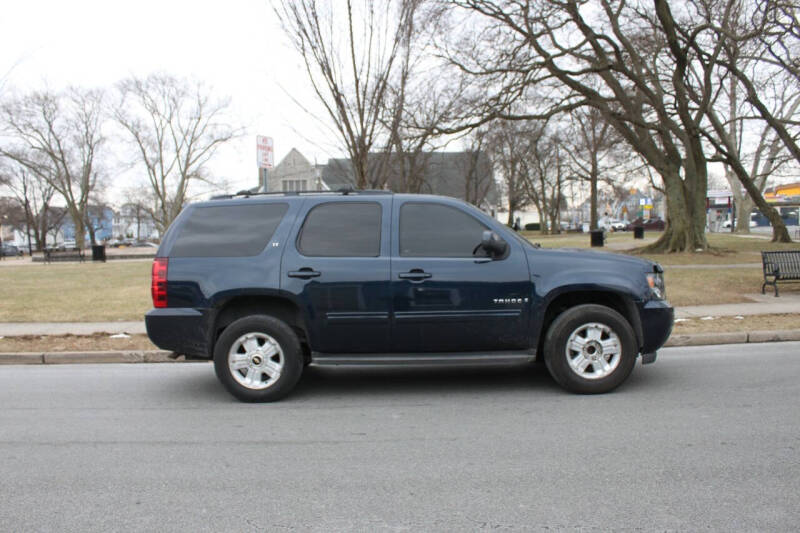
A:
[738,337]
[161,356]
[64,358]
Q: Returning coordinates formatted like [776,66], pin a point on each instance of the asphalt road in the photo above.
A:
[705,439]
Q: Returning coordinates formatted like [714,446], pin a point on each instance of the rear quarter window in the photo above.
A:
[228,231]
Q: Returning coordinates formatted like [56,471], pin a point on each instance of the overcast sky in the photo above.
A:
[235,46]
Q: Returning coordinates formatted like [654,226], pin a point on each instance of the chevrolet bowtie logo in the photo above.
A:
[510,300]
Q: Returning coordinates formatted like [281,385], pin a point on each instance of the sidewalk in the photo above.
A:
[12,329]
[761,305]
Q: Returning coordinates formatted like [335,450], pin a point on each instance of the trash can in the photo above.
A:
[638,232]
[597,237]
[99,253]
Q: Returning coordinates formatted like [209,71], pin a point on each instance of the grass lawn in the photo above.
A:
[696,286]
[75,292]
[727,248]
[120,290]
[74,343]
[728,324]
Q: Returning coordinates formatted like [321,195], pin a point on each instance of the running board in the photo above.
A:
[456,358]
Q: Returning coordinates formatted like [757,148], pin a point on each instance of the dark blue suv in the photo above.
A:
[266,284]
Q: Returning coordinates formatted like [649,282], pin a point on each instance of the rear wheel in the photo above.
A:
[258,359]
[590,349]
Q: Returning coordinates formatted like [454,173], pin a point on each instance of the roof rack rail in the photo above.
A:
[344,191]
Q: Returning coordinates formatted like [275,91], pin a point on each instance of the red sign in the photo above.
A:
[264,152]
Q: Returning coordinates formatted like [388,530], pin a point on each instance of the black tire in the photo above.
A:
[571,320]
[292,358]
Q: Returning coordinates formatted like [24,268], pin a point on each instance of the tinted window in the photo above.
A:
[342,229]
[431,230]
[228,231]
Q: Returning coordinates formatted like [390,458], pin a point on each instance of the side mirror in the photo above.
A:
[494,245]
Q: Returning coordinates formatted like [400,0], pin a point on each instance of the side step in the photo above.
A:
[327,359]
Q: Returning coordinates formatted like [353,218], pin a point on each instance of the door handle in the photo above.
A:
[304,273]
[416,274]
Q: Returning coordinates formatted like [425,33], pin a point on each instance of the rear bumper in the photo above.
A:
[657,319]
[179,329]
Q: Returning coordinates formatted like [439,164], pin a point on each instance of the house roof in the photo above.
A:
[445,174]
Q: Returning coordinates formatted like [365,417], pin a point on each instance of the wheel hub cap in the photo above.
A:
[593,350]
[255,360]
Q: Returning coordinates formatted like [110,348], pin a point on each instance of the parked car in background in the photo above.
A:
[611,224]
[10,250]
[652,224]
[727,224]
[617,225]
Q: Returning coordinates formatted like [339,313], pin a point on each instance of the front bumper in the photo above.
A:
[657,318]
[181,330]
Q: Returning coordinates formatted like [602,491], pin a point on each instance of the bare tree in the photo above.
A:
[707,33]
[544,171]
[412,133]
[476,168]
[763,150]
[58,137]
[508,146]
[175,127]
[96,217]
[777,28]
[351,53]
[591,144]
[775,24]
[137,207]
[616,58]
[32,196]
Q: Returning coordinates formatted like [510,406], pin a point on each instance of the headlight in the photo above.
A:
[656,283]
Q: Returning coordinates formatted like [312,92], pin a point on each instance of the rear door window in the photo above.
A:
[228,231]
[342,229]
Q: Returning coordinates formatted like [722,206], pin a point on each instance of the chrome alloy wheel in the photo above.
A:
[593,351]
[256,360]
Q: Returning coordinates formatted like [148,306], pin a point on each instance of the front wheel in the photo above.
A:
[590,349]
[258,359]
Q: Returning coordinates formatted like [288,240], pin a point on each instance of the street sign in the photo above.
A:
[264,152]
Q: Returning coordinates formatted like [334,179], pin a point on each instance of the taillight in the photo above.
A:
[158,286]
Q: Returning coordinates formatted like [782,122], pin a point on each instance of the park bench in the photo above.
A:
[780,266]
[75,254]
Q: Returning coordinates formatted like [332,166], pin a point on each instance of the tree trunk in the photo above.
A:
[91,230]
[80,229]
[743,209]
[29,221]
[779,231]
[593,200]
[686,223]
[40,230]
